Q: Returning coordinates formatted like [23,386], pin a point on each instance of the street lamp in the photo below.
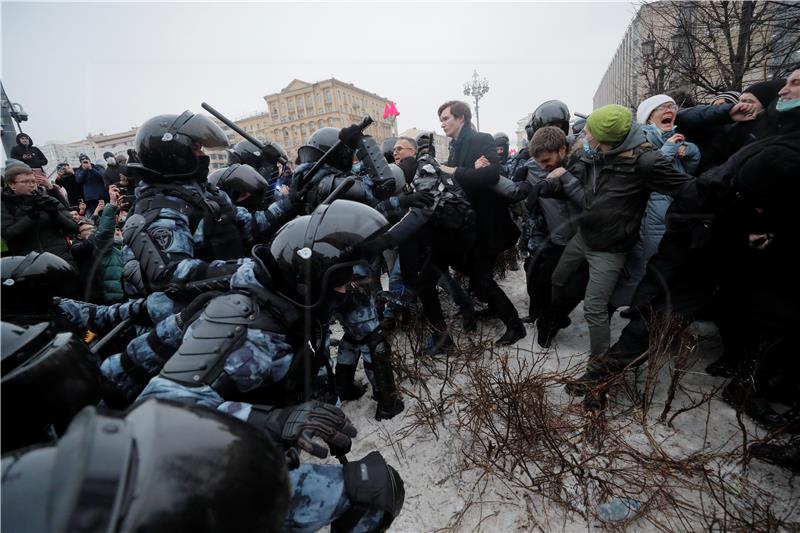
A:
[648,46]
[477,89]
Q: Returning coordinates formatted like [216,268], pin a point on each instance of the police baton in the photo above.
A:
[232,125]
[96,347]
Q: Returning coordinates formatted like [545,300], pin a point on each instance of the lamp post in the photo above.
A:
[476,90]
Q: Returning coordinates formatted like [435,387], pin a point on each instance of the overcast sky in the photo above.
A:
[104,67]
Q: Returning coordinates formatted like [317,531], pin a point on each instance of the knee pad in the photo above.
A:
[370,485]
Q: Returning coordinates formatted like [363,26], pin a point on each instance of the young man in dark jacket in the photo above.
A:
[90,176]
[26,152]
[618,170]
[496,231]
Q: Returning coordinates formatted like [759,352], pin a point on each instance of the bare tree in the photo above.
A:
[717,46]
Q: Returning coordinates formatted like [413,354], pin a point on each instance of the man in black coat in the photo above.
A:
[496,231]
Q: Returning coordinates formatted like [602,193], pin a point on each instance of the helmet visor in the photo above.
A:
[204,131]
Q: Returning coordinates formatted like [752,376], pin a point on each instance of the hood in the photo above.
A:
[23,134]
[635,137]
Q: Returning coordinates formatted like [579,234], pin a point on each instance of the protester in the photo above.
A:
[26,152]
[32,219]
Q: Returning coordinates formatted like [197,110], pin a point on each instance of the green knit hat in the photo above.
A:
[610,124]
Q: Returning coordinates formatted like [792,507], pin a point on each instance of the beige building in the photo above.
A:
[114,143]
[301,108]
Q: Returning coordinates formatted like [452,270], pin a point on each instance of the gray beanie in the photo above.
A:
[15,167]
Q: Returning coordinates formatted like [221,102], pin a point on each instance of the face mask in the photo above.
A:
[111,161]
[786,105]
[203,161]
[669,133]
[118,240]
[587,150]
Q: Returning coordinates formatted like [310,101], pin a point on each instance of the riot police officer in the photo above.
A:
[266,340]
[271,162]
[163,466]
[182,229]
[501,144]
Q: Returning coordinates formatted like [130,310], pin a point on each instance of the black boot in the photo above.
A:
[785,455]
[514,332]
[438,343]
[745,398]
[345,384]
[548,326]
[389,402]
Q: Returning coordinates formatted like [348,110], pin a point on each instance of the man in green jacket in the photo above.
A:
[619,169]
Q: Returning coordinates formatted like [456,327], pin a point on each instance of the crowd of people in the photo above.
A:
[161,301]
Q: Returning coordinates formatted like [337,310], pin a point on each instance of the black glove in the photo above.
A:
[521,173]
[409,167]
[525,188]
[301,424]
[350,136]
[416,199]
[195,307]
[533,196]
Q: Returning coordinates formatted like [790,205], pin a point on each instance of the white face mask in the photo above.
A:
[111,161]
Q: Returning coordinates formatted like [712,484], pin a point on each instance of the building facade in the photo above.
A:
[440,142]
[301,108]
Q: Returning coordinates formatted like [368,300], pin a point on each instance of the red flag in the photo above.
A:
[386,111]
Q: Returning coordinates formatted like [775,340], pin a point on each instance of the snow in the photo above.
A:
[702,447]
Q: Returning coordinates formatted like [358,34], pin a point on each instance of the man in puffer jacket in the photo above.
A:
[618,169]
[90,176]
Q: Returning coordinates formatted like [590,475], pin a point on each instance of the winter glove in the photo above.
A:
[416,199]
[520,174]
[525,188]
[350,136]
[533,197]
[195,307]
[302,424]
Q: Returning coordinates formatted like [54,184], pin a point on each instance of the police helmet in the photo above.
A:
[31,281]
[307,258]
[388,149]
[166,146]
[399,178]
[47,377]
[425,143]
[238,179]
[501,139]
[578,125]
[320,142]
[162,466]
[549,113]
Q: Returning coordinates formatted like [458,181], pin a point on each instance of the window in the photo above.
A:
[309,101]
[303,130]
[321,124]
[319,100]
[286,136]
[328,97]
[330,122]
[290,103]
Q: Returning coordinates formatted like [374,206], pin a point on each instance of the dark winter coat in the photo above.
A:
[92,181]
[30,155]
[495,229]
[27,227]
[617,186]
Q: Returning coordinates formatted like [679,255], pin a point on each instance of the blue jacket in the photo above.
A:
[92,181]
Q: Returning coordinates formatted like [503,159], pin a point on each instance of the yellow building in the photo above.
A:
[301,108]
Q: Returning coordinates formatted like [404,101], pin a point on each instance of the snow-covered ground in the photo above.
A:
[687,475]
